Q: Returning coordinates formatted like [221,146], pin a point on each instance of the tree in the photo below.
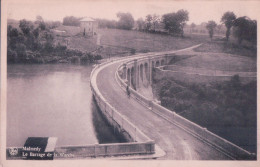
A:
[104,23]
[71,21]
[245,29]
[182,18]
[175,22]
[219,27]
[111,24]
[42,26]
[148,22]
[21,50]
[40,22]
[228,19]
[26,27]
[211,27]
[170,23]
[252,31]
[39,19]
[36,32]
[126,21]
[155,20]
[52,24]
[12,35]
[141,24]
[193,25]
[12,32]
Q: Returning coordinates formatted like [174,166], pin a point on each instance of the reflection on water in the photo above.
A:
[104,132]
[50,100]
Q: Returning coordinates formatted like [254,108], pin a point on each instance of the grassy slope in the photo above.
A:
[145,42]
[245,49]
[225,62]
[117,42]
[76,40]
[82,43]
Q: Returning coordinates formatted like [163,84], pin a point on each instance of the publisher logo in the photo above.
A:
[13,151]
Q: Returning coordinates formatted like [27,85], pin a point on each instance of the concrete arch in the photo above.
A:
[124,72]
[157,63]
[142,71]
[162,62]
[146,70]
[133,84]
[129,77]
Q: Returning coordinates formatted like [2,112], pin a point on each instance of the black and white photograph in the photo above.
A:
[139,81]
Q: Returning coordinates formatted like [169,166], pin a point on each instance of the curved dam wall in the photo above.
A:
[139,142]
[201,133]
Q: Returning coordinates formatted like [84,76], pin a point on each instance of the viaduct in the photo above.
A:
[140,71]
[160,129]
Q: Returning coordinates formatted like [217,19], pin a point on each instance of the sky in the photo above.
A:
[199,11]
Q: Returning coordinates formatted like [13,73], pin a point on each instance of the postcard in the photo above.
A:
[153,83]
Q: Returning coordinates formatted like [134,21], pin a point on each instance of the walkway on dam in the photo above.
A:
[178,144]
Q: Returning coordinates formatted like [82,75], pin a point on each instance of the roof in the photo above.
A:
[87,19]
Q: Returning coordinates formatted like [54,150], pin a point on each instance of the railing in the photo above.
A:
[103,150]
[219,143]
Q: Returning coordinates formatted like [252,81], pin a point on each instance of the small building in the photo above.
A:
[88,26]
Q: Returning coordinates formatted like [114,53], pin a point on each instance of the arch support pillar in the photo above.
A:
[167,59]
[136,75]
[128,77]
[124,71]
[150,70]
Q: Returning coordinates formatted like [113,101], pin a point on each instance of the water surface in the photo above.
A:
[50,100]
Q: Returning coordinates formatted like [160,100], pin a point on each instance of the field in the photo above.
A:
[220,61]
[146,42]
[115,42]
[246,49]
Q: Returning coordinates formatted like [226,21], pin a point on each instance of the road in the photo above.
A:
[178,144]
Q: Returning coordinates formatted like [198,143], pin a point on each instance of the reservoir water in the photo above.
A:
[53,100]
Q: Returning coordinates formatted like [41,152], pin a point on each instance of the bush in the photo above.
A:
[126,21]
[132,51]
[229,103]
[98,57]
[12,56]
[36,45]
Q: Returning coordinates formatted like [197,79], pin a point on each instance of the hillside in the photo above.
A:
[116,42]
[225,107]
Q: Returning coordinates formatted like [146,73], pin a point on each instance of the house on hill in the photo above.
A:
[88,26]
